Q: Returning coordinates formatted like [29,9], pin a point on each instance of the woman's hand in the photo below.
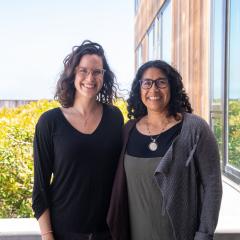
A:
[48,236]
[45,226]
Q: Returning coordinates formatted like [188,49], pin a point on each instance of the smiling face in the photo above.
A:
[89,76]
[155,99]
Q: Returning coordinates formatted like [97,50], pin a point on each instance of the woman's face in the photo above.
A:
[155,98]
[89,76]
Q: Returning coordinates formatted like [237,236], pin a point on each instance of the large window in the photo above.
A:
[233,79]
[165,25]
[217,74]
[225,83]
[151,42]
[156,39]
[139,56]
[160,34]
[136,5]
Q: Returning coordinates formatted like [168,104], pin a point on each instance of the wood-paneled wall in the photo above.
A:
[190,44]
[147,11]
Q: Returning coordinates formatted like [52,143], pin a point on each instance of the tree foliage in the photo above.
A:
[17,127]
[233,129]
[234,133]
[16,163]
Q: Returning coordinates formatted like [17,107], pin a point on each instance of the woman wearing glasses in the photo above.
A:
[168,181]
[76,149]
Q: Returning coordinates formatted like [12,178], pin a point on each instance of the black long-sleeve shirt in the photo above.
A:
[73,172]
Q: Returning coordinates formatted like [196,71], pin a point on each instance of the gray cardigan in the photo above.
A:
[189,178]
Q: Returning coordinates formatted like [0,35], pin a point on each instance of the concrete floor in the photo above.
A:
[228,227]
[229,218]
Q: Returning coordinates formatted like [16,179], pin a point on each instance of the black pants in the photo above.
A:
[83,236]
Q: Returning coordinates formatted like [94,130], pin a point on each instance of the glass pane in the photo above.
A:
[139,56]
[217,127]
[218,52]
[156,39]
[159,41]
[166,19]
[217,74]
[136,5]
[151,44]
[234,85]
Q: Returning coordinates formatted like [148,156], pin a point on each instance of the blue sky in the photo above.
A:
[35,37]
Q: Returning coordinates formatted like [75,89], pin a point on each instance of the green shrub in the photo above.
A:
[16,177]
[17,127]
[234,133]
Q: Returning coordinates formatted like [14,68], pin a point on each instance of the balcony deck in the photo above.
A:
[228,227]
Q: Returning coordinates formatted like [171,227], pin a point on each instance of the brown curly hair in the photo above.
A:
[65,90]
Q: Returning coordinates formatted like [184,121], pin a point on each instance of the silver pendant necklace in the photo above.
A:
[153,145]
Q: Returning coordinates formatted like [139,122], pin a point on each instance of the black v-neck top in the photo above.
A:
[83,168]
[138,143]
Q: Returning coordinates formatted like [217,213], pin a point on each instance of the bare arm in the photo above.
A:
[45,226]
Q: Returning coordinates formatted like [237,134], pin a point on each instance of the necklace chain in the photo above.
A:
[152,138]
[161,130]
[153,145]
[87,118]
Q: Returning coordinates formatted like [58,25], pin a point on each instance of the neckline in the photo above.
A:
[79,132]
[161,133]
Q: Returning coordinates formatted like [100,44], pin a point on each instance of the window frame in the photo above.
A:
[228,170]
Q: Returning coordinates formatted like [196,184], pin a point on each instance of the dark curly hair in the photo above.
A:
[179,101]
[65,90]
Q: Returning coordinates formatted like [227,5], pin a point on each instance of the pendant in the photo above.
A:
[153,146]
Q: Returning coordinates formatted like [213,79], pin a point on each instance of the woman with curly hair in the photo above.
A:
[168,181]
[76,149]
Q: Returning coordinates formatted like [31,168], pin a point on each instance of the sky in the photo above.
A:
[35,37]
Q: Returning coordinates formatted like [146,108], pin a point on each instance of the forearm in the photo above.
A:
[45,226]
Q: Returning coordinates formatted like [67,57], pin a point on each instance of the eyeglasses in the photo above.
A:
[84,72]
[159,83]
